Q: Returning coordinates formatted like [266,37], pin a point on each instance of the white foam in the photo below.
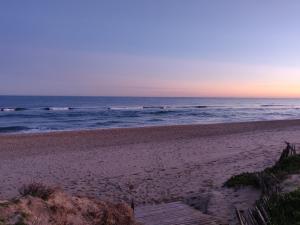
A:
[59,108]
[126,108]
[7,110]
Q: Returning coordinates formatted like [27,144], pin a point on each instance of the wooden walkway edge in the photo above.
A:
[175,213]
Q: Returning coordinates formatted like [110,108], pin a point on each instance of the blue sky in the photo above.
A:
[150,48]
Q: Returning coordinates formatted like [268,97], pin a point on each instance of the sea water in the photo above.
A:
[41,113]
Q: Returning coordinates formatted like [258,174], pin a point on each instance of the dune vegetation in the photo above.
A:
[42,205]
[274,207]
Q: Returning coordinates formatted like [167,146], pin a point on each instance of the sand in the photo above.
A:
[150,165]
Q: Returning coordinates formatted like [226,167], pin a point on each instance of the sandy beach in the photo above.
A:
[150,165]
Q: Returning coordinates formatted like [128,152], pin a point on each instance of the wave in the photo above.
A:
[162,112]
[159,107]
[202,114]
[126,108]
[194,106]
[155,120]
[201,106]
[108,123]
[11,109]
[154,107]
[177,107]
[20,109]
[274,105]
[188,107]
[124,114]
[58,108]
[10,129]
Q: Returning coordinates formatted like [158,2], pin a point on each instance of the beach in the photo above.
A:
[150,164]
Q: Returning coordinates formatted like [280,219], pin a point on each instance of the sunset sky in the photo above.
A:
[204,48]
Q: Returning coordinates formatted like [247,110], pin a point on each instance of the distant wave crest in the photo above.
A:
[58,108]
[126,108]
[154,107]
[270,105]
[159,107]
[11,109]
[193,106]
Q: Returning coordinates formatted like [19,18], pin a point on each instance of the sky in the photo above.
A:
[204,48]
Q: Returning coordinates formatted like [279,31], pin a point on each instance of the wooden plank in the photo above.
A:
[175,213]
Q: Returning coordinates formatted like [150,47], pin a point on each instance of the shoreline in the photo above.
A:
[163,164]
[262,124]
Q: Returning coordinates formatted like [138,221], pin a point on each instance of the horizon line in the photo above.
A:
[132,96]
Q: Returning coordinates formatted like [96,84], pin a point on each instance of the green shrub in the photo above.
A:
[286,166]
[285,209]
[244,179]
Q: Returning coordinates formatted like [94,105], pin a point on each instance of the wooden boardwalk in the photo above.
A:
[175,213]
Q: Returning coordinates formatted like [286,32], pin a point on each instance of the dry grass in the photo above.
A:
[42,205]
[36,190]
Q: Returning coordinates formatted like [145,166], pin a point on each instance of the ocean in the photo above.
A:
[44,114]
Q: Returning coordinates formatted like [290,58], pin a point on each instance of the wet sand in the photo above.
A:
[150,165]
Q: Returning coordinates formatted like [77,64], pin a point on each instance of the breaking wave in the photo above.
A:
[11,109]
[58,108]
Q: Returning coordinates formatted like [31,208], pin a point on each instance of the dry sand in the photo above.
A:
[161,164]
